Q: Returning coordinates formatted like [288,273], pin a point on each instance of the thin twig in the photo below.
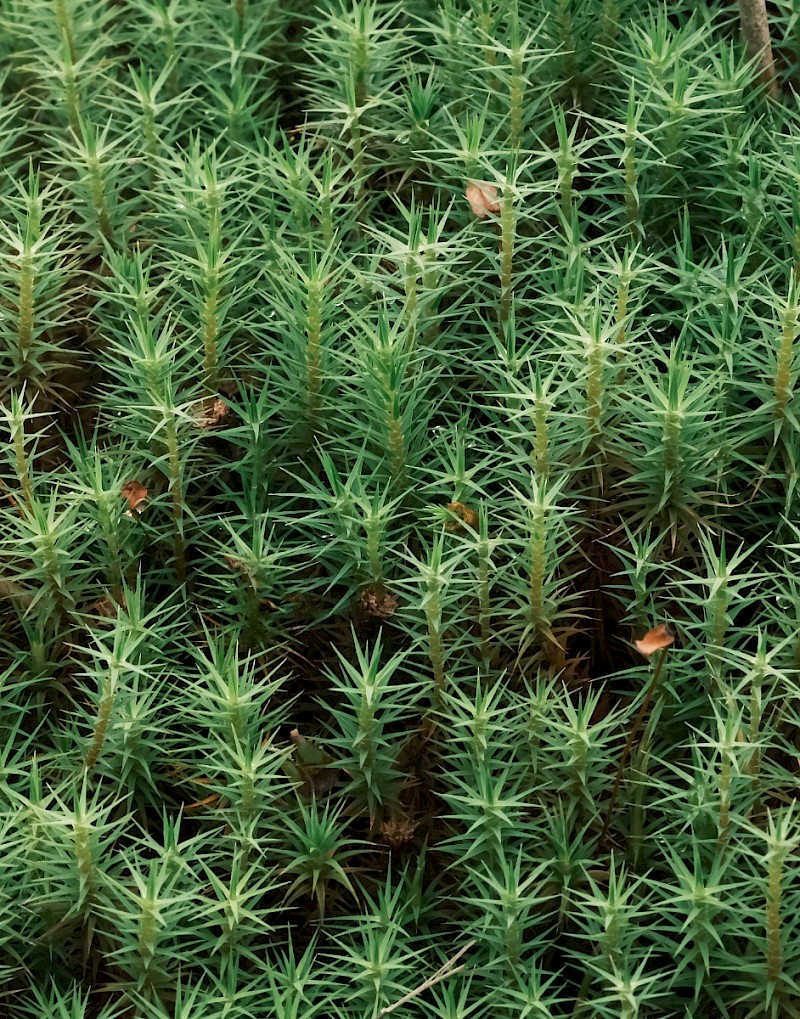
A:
[445,970]
[755,29]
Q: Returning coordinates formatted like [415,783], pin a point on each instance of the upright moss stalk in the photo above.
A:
[63,17]
[566,160]
[239,10]
[610,23]
[630,171]
[17,419]
[565,34]
[727,745]
[314,355]
[516,97]
[785,359]
[483,552]
[105,708]
[540,438]
[621,315]
[70,88]
[632,735]
[781,838]
[25,320]
[485,24]
[595,336]
[389,389]
[508,224]
[434,582]
[176,493]
[211,259]
[369,705]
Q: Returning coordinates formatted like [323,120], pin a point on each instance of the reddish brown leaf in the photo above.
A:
[211,800]
[136,494]
[467,517]
[657,639]
[482,198]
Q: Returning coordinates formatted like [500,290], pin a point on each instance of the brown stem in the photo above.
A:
[755,29]
[631,737]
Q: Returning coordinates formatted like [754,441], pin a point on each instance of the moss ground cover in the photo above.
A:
[400,524]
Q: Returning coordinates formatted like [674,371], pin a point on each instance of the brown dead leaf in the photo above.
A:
[657,639]
[467,517]
[208,801]
[106,607]
[482,198]
[7,494]
[377,602]
[397,831]
[208,412]
[136,494]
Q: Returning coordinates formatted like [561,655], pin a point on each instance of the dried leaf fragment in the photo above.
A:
[240,566]
[136,494]
[467,517]
[657,639]
[208,801]
[397,831]
[377,602]
[107,607]
[208,412]
[482,198]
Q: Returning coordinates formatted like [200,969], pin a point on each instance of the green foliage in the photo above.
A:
[373,375]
